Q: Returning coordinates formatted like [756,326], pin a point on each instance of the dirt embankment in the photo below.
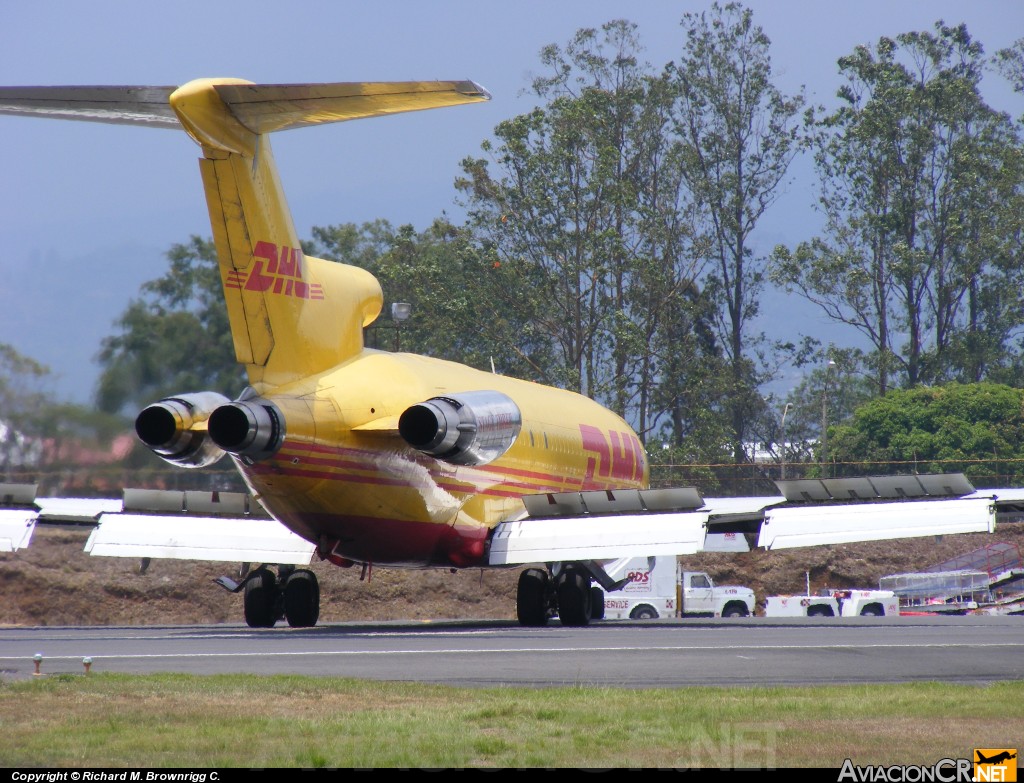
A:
[54,582]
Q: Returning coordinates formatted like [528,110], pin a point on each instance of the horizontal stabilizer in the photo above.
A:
[246,540]
[261,108]
[117,105]
[265,108]
[784,528]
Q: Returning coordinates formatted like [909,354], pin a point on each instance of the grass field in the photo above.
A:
[124,721]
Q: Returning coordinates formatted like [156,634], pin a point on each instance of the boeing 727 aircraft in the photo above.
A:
[388,458]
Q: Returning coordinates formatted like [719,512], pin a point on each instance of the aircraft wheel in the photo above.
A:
[573,592]
[302,599]
[260,599]
[643,612]
[531,597]
[596,603]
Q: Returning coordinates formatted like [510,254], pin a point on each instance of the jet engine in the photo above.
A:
[471,428]
[252,429]
[175,429]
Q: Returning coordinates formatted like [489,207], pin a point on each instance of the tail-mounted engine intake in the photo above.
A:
[252,429]
[175,429]
[472,428]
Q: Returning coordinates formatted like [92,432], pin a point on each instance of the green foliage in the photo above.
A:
[922,187]
[977,429]
[620,198]
[38,433]
[738,135]
[173,340]
[468,305]
[22,392]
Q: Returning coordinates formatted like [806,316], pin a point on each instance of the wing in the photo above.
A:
[555,527]
[215,526]
[605,525]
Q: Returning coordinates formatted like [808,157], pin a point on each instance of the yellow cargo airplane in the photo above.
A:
[390,458]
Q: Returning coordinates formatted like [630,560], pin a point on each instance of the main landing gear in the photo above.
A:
[293,594]
[565,590]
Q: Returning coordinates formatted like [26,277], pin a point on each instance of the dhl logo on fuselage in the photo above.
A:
[282,275]
[617,456]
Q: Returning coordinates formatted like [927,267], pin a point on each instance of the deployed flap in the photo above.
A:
[815,525]
[16,526]
[247,540]
[597,538]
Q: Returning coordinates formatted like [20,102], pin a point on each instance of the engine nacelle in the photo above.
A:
[252,429]
[471,428]
[175,429]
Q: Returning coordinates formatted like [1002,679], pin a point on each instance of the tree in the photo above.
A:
[453,286]
[588,208]
[921,187]
[739,135]
[977,429]
[40,437]
[175,339]
[23,403]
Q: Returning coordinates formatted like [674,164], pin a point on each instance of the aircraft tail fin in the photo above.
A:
[271,288]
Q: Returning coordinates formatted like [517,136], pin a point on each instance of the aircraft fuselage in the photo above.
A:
[363,494]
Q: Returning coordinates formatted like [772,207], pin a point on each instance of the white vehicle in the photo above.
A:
[834,603]
[659,588]
[867,603]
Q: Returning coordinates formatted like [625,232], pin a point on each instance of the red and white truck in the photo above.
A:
[658,587]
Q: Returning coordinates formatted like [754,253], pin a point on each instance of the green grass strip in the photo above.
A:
[111,720]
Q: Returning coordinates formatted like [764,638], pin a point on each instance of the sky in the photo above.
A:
[88,211]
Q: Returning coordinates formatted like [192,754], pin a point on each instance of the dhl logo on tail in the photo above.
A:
[283,273]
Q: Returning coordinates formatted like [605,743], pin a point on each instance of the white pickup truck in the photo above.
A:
[834,603]
[659,588]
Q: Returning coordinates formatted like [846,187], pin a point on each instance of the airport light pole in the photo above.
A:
[782,464]
[824,418]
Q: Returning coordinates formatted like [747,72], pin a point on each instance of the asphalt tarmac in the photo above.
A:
[631,654]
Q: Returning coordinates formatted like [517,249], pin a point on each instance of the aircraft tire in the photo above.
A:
[531,597]
[302,599]
[573,592]
[596,603]
[260,599]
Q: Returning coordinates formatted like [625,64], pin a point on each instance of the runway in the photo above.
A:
[645,654]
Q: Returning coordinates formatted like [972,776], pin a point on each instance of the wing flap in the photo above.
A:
[785,528]
[597,538]
[16,527]
[247,540]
